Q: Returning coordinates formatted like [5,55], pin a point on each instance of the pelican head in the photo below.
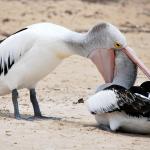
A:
[104,40]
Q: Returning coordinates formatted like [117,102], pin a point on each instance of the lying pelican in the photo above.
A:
[31,53]
[118,106]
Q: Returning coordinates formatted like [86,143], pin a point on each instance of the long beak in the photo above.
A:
[131,54]
[105,63]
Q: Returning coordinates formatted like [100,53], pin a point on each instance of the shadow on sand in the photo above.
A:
[7,114]
[72,122]
[123,133]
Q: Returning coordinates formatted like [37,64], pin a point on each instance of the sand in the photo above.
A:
[71,127]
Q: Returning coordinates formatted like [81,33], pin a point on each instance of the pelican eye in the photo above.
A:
[117,45]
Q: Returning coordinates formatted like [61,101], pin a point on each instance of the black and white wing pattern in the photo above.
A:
[13,48]
[117,98]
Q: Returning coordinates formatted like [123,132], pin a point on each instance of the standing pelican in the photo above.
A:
[31,53]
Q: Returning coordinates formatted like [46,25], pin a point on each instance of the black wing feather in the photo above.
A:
[131,103]
[5,66]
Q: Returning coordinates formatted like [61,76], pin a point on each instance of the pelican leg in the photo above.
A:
[15,103]
[37,112]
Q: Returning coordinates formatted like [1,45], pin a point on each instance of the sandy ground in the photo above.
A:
[71,126]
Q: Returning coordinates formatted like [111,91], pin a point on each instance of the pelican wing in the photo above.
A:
[139,106]
[13,48]
[133,104]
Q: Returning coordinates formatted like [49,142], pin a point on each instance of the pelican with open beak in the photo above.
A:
[113,56]
[34,51]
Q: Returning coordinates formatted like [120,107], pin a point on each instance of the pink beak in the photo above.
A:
[131,54]
[105,62]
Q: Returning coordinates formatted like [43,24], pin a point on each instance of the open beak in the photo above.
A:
[105,62]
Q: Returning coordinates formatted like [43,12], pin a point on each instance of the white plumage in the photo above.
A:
[102,101]
[36,51]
